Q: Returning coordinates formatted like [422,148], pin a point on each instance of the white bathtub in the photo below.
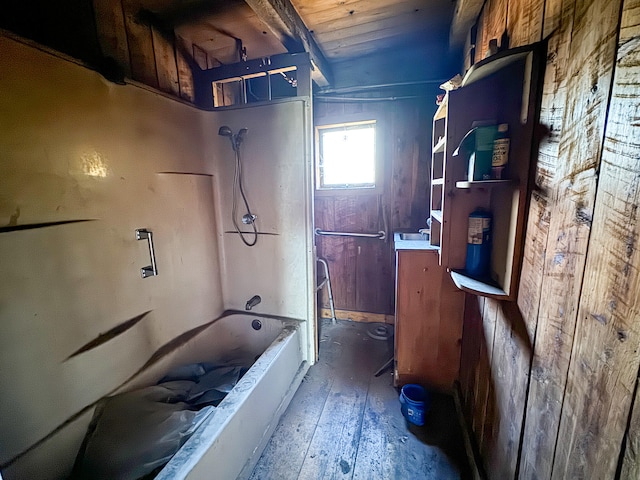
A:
[230,441]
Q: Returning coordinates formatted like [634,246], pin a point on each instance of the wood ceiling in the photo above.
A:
[330,30]
[346,29]
[157,42]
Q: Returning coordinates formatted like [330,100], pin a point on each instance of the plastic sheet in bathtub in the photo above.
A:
[134,433]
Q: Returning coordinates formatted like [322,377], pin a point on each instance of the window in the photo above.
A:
[262,86]
[346,156]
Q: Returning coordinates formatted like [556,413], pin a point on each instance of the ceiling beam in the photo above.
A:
[464,17]
[285,23]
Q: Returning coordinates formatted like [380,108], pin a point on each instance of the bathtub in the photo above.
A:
[230,441]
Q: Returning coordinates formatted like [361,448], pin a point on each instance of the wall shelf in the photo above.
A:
[485,183]
[477,287]
[439,147]
[502,89]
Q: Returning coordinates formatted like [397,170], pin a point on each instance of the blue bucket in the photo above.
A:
[414,403]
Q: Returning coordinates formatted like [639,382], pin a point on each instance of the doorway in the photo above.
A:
[362,268]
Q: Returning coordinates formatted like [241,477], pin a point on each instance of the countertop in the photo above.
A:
[411,244]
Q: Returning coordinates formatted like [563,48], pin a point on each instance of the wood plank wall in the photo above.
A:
[548,384]
[363,270]
[145,54]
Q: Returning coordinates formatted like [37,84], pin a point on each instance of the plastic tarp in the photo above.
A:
[133,434]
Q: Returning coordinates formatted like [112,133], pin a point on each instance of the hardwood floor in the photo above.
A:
[344,423]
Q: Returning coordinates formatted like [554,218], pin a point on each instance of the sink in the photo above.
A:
[414,236]
[412,241]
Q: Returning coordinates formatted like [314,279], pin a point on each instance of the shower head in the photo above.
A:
[225,131]
[240,136]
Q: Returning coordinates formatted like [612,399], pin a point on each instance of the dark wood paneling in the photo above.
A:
[472,337]
[144,53]
[165,55]
[141,54]
[185,74]
[112,33]
[362,269]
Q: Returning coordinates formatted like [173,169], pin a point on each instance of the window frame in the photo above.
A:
[348,189]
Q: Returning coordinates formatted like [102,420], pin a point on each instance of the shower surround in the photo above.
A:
[84,164]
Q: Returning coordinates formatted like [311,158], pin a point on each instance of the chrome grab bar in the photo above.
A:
[380,235]
[149,270]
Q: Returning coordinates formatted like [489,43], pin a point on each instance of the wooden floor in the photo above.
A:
[345,423]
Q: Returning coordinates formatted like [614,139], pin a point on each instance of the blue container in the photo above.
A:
[479,244]
[414,403]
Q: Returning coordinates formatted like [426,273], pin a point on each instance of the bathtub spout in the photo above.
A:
[252,302]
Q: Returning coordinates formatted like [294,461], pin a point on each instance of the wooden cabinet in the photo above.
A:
[428,328]
[500,90]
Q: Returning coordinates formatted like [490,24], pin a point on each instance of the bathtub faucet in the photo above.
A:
[253,301]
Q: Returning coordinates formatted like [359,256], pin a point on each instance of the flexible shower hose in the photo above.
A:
[237,185]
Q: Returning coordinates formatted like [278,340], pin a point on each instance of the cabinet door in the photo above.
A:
[428,321]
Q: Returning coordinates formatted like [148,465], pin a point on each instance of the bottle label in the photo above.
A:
[500,152]
[478,232]
[475,231]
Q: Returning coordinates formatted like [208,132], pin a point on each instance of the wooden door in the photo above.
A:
[362,269]
[361,275]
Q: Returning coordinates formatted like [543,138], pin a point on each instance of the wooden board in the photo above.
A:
[618,141]
[630,460]
[604,363]
[588,63]
[112,35]
[480,26]
[352,20]
[365,317]
[487,404]
[428,324]
[494,25]
[540,430]
[167,69]
[524,21]
[470,352]
[185,75]
[140,41]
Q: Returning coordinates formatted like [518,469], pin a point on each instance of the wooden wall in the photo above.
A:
[549,382]
[111,37]
[156,58]
[363,269]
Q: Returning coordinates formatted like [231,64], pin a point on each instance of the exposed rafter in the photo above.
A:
[286,24]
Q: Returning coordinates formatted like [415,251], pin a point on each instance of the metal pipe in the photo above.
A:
[380,235]
[362,88]
[252,302]
[329,99]
[327,281]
